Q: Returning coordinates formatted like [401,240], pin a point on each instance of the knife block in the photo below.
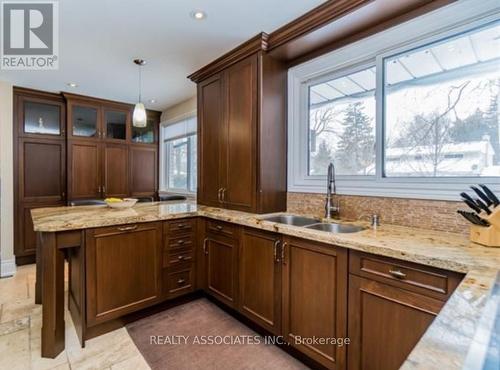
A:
[488,236]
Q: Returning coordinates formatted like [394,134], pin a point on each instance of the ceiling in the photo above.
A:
[100,38]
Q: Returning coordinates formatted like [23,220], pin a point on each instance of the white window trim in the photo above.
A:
[442,23]
[163,184]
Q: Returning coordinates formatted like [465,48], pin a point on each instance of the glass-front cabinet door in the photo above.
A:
[42,118]
[115,124]
[144,135]
[84,121]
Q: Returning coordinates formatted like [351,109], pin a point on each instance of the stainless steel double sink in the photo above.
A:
[311,223]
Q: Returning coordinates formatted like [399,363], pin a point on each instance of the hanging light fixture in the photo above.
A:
[139,118]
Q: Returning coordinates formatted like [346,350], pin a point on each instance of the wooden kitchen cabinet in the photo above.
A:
[385,323]
[143,170]
[260,278]
[121,277]
[242,131]
[221,265]
[39,162]
[315,299]
[115,170]
[210,136]
[84,170]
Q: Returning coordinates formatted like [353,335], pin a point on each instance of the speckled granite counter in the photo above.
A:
[446,343]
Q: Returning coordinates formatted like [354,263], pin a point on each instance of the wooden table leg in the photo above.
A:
[38,283]
[52,296]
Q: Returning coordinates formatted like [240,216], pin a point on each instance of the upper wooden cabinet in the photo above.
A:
[242,133]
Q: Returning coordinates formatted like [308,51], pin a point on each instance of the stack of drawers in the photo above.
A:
[179,257]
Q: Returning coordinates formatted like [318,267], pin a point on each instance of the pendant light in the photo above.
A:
[139,118]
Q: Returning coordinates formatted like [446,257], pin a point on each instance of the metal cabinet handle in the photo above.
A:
[397,274]
[181,281]
[205,250]
[181,226]
[224,194]
[218,227]
[127,228]
[180,258]
[219,195]
[180,242]
[104,189]
[275,250]
[283,247]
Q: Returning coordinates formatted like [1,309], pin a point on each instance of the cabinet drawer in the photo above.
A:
[411,276]
[173,259]
[180,242]
[125,228]
[176,227]
[222,228]
[179,282]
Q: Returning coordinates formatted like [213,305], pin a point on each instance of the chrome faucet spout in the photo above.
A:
[331,210]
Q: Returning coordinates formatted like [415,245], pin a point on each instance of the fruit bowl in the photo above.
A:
[120,203]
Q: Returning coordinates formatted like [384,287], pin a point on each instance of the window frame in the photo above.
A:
[162,148]
[167,143]
[442,25]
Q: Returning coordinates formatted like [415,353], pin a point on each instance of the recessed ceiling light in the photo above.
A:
[198,15]
[72,84]
[152,101]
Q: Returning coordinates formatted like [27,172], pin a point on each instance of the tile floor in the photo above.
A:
[20,329]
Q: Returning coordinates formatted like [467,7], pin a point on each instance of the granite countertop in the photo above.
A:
[447,342]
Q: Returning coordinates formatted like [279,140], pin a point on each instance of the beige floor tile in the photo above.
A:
[18,308]
[13,288]
[14,325]
[134,363]
[15,350]
[103,351]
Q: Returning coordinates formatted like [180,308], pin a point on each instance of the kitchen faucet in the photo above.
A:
[331,209]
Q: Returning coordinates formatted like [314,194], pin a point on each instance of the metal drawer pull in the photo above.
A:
[127,228]
[181,281]
[397,274]
[180,242]
[180,258]
[205,250]
[180,226]
[275,250]
[218,227]
[283,261]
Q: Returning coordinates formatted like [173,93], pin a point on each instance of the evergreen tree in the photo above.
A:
[320,162]
[356,146]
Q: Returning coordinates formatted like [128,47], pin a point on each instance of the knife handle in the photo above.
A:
[472,205]
[483,206]
[483,196]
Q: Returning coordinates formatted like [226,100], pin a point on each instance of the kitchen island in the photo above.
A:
[75,232]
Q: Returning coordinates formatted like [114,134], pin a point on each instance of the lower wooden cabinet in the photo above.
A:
[315,300]
[385,323]
[123,268]
[260,278]
[221,265]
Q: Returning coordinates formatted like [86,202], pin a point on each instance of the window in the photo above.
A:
[400,113]
[179,156]
[441,108]
[181,163]
[342,124]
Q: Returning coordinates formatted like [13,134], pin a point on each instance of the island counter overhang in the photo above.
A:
[61,231]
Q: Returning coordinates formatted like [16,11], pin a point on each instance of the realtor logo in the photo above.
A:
[30,35]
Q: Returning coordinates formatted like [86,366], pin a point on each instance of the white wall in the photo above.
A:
[179,111]
[7,262]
